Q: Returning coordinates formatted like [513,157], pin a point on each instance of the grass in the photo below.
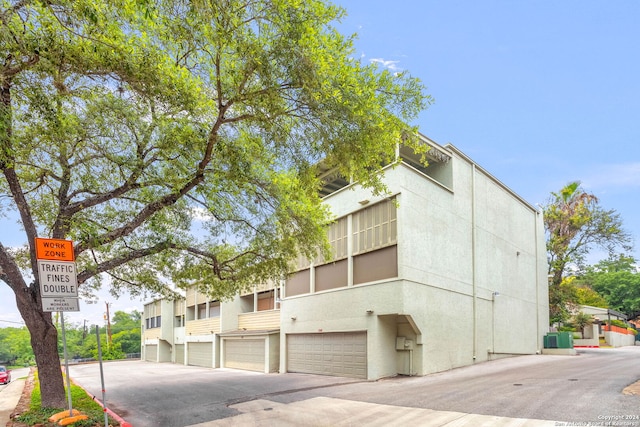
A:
[36,415]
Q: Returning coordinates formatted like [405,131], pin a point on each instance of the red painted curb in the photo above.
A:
[112,414]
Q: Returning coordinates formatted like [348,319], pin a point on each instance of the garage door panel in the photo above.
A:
[336,353]
[179,351]
[245,354]
[200,354]
[151,352]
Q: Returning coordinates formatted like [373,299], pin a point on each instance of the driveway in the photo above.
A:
[586,388]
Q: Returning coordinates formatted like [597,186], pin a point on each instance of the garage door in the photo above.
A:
[244,354]
[151,353]
[200,354]
[341,354]
[179,352]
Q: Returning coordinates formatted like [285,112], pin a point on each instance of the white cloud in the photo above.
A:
[391,65]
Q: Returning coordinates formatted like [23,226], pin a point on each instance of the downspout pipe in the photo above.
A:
[473,259]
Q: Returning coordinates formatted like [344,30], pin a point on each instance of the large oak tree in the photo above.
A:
[176,141]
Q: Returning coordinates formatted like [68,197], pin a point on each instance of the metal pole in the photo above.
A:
[108,328]
[66,365]
[104,394]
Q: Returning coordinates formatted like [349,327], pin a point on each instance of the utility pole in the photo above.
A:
[108,319]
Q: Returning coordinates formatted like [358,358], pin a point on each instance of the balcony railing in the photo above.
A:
[259,320]
[207,326]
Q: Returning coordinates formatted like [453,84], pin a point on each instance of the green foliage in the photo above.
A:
[575,223]
[15,346]
[37,415]
[587,296]
[179,141]
[618,281]
[616,322]
[580,321]
[109,352]
[563,300]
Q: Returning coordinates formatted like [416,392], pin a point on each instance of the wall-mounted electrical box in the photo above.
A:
[402,343]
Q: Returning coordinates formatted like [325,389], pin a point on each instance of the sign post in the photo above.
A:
[58,286]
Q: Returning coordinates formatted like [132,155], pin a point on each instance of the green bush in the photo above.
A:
[566,328]
[616,322]
[36,415]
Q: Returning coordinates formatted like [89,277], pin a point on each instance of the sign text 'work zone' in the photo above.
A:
[54,249]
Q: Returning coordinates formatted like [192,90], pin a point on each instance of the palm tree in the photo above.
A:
[564,217]
[581,321]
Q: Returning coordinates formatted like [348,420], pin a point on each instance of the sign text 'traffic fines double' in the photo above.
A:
[57,274]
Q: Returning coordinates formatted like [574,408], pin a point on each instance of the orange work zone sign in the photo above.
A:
[54,249]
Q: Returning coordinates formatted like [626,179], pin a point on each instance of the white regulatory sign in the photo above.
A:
[57,279]
[60,304]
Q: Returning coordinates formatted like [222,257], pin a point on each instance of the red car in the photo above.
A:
[5,375]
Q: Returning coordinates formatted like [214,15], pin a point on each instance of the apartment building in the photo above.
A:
[446,270]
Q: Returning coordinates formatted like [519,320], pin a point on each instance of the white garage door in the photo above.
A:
[179,352]
[151,353]
[244,354]
[200,354]
[342,354]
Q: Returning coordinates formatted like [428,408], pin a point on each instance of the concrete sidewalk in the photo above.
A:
[326,411]
[9,398]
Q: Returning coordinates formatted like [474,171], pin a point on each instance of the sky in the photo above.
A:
[537,92]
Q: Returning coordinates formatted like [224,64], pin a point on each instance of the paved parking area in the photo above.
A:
[527,390]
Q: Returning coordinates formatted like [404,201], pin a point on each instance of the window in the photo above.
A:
[298,283]
[202,311]
[214,309]
[179,321]
[157,321]
[375,227]
[337,234]
[266,300]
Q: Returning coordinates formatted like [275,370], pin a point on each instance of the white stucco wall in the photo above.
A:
[456,247]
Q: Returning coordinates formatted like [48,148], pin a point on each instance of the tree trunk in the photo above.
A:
[44,341]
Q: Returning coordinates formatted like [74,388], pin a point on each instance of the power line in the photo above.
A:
[11,321]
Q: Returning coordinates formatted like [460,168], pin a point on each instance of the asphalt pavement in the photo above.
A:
[532,390]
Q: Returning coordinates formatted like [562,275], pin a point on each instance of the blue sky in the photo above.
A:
[537,92]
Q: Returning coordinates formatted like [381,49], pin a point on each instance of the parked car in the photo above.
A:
[5,375]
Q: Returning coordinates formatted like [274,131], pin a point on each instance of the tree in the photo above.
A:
[178,142]
[587,296]
[575,223]
[126,330]
[582,320]
[14,346]
[618,281]
[123,321]
[562,301]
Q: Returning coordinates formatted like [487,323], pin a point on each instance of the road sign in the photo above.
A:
[58,279]
[54,249]
[60,304]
